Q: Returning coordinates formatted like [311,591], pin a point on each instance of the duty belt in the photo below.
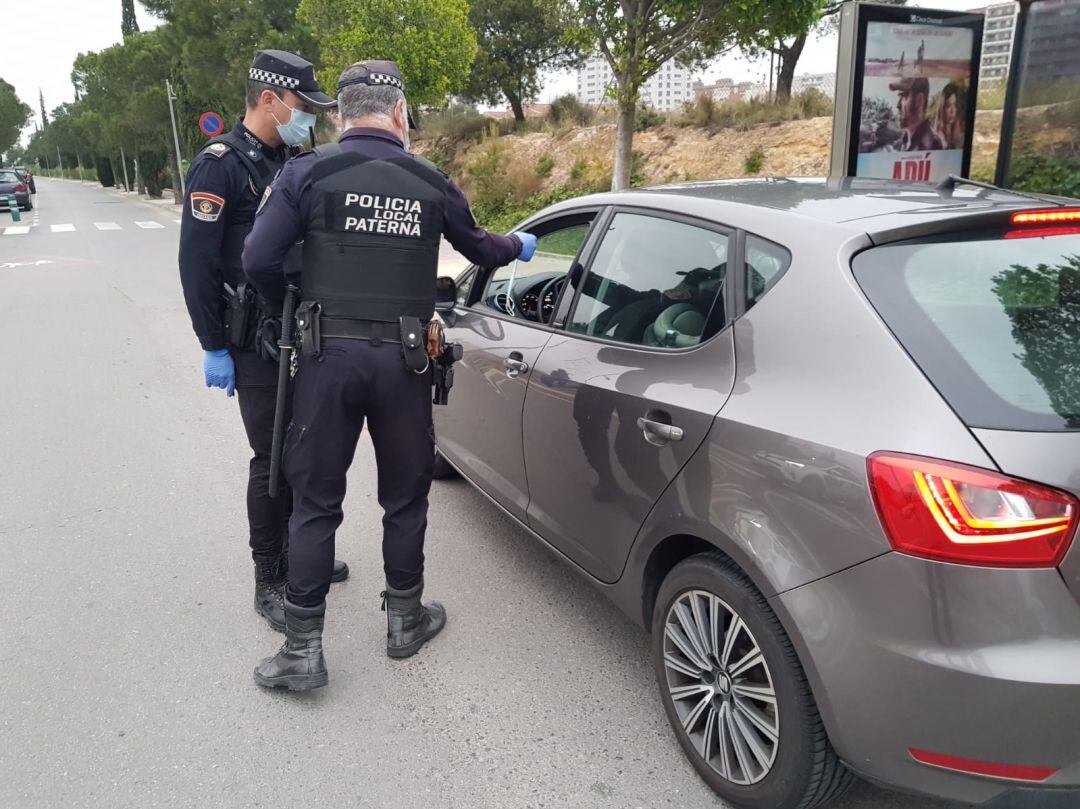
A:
[377,331]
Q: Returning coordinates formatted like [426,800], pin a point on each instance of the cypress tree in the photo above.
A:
[128,24]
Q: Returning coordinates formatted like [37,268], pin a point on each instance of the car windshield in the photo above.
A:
[992,319]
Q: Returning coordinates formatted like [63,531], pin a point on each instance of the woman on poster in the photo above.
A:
[950,116]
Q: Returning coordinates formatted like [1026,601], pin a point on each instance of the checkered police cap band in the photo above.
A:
[373,79]
[268,77]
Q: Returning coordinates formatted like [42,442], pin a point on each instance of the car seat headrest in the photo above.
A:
[679,326]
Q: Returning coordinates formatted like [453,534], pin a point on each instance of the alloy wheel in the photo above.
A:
[721,687]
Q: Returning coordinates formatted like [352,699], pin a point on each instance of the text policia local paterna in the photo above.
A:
[370,213]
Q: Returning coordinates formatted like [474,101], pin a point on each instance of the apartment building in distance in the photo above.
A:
[666,90]
[998,35]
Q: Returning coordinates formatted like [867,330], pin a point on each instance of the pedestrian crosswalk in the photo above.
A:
[70,227]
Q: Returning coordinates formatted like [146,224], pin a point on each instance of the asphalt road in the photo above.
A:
[126,589]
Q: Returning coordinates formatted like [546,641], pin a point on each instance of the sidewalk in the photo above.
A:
[166,199]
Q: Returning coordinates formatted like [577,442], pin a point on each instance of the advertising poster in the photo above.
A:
[913,109]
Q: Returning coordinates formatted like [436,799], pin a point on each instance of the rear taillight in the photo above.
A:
[1052,216]
[20,189]
[966,515]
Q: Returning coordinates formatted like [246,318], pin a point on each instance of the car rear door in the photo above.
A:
[624,394]
[502,337]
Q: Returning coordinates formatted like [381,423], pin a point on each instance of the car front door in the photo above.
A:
[624,394]
[501,323]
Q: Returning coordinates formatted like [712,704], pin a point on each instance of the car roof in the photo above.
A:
[884,209]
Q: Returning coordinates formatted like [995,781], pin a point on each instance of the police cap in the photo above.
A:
[376,73]
[284,69]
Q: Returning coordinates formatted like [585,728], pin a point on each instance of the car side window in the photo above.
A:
[654,282]
[765,263]
[528,290]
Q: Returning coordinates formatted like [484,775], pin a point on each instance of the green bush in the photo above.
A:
[647,118]
[707,112]
[637,169]
[545,165]
[104,169]
[754,161]
[568,110]
[1045,174]
[577,171]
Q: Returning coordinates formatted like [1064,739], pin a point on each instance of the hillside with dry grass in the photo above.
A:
[508,175]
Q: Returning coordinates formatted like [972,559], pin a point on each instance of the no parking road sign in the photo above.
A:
[211,123]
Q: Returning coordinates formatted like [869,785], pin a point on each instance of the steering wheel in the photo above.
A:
[550,286]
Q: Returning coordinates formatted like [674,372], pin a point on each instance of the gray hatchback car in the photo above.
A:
[822,439]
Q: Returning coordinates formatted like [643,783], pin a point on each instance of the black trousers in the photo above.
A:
[268,517]
[353,381]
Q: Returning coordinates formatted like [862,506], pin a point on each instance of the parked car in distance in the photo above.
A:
[12,184]
[27,177]
[822,440]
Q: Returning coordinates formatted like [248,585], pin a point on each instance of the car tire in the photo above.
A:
[27,207]
[799,770]
[442,469]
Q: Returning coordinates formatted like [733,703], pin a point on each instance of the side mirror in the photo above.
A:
[445,294]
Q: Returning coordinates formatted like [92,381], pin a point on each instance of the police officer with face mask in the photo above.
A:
[371,217]
[224,185]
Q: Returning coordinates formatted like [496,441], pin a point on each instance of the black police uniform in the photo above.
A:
[371,217]
[225,184]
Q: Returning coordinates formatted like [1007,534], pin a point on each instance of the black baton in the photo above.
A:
[287,344]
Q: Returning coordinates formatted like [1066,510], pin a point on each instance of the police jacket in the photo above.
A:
[224,185]
[370,216]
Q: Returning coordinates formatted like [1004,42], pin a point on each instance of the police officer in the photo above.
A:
[224,186]
[371,216]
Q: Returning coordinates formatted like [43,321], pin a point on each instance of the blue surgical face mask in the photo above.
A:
[298,128]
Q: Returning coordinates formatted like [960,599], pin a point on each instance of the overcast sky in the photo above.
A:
[51,33]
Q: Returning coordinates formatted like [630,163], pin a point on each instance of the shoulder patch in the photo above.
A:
[216,149]
[206,207]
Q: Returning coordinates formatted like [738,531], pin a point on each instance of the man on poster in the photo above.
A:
[912,104]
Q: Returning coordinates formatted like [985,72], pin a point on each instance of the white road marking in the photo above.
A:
[178,221]
[17,230]
[107,226]
[62,228]
[150,225]
[11,265]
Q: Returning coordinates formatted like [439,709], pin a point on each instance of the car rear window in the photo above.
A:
[992,320]
[8,177]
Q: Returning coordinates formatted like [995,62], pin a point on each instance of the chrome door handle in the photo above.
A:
[515,367]
[656,432]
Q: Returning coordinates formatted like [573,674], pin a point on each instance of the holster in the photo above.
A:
[241,316]
[414,344]
[307,326]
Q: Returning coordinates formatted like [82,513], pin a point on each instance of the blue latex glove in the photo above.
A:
[528,245]
[220,371]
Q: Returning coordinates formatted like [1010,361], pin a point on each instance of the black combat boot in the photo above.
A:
[299,664]
[270,592]
[410,624]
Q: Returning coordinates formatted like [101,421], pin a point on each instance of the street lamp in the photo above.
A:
[176,137]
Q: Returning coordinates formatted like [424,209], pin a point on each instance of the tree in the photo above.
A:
[794,23]
[431,41]
[128,24]
[41,103]
[14,115]
[516,40]
[212,45]
[637,37]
